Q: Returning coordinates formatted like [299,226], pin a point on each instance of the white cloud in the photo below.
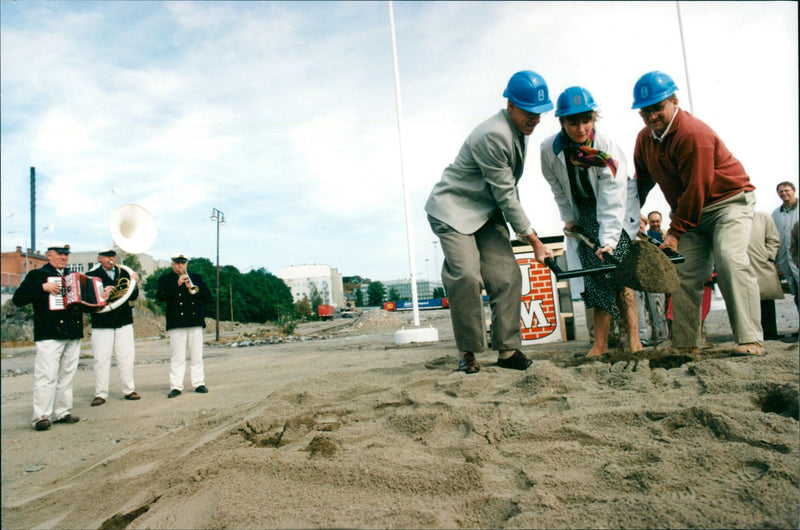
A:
[282,114]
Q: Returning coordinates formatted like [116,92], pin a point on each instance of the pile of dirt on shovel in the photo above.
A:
[646,268]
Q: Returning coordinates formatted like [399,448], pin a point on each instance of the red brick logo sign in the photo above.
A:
[540,320]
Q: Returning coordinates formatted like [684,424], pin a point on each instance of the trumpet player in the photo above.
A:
[185,294]
[113,331]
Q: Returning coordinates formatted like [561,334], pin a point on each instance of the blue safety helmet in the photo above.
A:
[651,88]
[528,91]
[574,100]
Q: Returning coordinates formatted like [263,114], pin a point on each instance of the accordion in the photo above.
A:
[78,289]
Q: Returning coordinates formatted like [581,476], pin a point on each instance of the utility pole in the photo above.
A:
[33,210]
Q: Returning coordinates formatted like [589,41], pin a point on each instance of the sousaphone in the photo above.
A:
[134,231]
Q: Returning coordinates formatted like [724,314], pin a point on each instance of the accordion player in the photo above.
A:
[85,292]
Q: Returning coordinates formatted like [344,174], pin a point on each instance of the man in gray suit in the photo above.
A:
[468,210]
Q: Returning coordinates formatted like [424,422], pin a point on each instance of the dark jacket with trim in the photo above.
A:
[184,310]
[65,324]
[121,316]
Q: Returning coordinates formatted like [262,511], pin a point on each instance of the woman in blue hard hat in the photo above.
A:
[588,175]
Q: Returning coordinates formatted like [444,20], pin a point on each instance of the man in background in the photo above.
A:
[112,331]
[655,231]
[57,332]
[652,307]
[785,217]
[762,249]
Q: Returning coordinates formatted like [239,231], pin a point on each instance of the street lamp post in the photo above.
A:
[219,217]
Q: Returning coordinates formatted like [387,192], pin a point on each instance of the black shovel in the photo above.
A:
[644,268]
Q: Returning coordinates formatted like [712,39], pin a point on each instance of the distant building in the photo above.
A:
[303,280]
[14,266]
[403,289]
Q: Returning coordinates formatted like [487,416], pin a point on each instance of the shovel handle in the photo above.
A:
[673,256]
[583,238]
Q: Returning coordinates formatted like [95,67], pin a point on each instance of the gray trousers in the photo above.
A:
[652,312]
[720,238]
[484,259]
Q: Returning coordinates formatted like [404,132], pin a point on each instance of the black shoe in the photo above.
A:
[133,396]
[173,393]
[517,361]
[97,401]
[201,389]
[468,364]
[42,424]
[773,337]
[69,418]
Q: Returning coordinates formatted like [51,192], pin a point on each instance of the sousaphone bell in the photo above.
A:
[134,231]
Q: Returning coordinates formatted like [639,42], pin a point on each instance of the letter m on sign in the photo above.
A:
[540,320]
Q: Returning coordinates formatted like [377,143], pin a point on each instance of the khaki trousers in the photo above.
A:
[720,239]
[475,261]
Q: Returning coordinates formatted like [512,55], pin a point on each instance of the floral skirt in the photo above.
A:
[600,289]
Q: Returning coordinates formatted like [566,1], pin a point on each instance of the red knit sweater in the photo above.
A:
[692,167]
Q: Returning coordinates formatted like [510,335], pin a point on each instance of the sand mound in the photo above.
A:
[646,268]
[710,443]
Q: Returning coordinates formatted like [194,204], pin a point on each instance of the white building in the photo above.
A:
[303,280]
[403,289]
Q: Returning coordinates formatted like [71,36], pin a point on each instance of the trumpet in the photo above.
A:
[193,289]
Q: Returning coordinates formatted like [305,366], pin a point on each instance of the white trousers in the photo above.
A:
[120,342]
[179,339]
[54,370]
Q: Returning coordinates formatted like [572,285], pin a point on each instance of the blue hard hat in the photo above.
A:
[528,91]
[574,100]
[651,88]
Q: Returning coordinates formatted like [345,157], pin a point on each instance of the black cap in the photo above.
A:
[109,253]
[180,258]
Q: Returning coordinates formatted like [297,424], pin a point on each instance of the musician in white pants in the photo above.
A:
[57,333]
[112,331]
[185,294]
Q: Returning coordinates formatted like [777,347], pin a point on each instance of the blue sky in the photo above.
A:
[282,114]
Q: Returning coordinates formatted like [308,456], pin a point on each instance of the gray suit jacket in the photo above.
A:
[482,179]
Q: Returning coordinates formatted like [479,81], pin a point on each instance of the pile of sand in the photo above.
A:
[355,432]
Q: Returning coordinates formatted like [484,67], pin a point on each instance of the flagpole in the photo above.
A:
[407,335]
[685,63]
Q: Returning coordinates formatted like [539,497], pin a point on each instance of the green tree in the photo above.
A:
[316,301]
[257,296]
[376,293]
[393,296]
[132,261]
[438,292]
[359,297]
[303,308]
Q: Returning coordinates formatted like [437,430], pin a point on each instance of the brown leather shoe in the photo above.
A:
[133,396]
[69,418]
[468,364]
[42,424]
[517,361]
[97,401]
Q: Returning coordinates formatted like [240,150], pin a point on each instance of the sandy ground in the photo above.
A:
[353,431]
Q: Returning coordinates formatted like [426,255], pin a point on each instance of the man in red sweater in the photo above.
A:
[712,204]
